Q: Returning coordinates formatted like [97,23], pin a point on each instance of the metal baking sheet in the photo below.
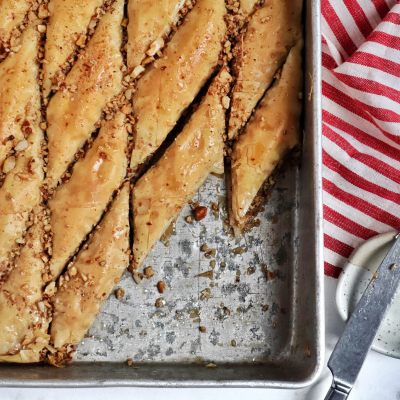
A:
[264,319]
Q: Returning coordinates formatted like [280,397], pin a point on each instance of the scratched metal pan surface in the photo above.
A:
[260,332]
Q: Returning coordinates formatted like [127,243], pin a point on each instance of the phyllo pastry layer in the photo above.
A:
[19,92]
[24,313]
[78,204]
[149,22]
[271,133]
[67,26]
[92,82]
[12,13]
[160,194]
[89,281]
[169,87]
[259,53]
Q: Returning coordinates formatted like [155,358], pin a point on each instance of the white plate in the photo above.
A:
[356,275]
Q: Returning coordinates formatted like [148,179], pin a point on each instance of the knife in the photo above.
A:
[353,346]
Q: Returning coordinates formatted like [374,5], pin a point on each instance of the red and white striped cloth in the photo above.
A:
[360,124]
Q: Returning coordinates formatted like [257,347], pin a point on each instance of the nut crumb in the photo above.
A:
[307,350]
[129,361]
[137,71]
[238,250]
[149,272]
[226,102]
[160,302]
[203,329]
[161,287]
[120,293]
[200,213]
[189,219]
[393,266]
[137,278]
[204,247]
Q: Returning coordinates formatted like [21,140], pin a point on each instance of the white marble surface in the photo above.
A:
[379,379]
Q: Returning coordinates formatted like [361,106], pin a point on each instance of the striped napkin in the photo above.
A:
[360,124]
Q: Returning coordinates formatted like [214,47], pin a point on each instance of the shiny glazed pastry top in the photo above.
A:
[159,195]
[93,81]
[68,23]
[171,84]
[268,137]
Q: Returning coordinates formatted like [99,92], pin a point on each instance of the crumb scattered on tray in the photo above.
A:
[119,293]
[137,278]
[203,329]
[161,286]
[211,365]
[129,361]
[238,250]
[160,302]
[149,272]
[200,213]
[207,274]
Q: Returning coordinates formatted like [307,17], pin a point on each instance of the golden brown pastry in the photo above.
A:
[19,194]
[23,311]
[93,81]
[79,203]
[19,131]
[90,280]
[12,13]
[169,87]
[149,22]
[68,23]
[259,54]
[19,92]
[160,194]
[267,138]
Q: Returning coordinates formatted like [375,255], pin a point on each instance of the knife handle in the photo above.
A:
[335,394]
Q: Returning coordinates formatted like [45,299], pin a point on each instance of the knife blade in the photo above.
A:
[353,346]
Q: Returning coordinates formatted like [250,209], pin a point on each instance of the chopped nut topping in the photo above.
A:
[161,287]
[226,102]
[43,12]
[137,71]
[81,41]
[22,145]
[120,293]
[42,28]
[9,164]
[50,289]
[155,46]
